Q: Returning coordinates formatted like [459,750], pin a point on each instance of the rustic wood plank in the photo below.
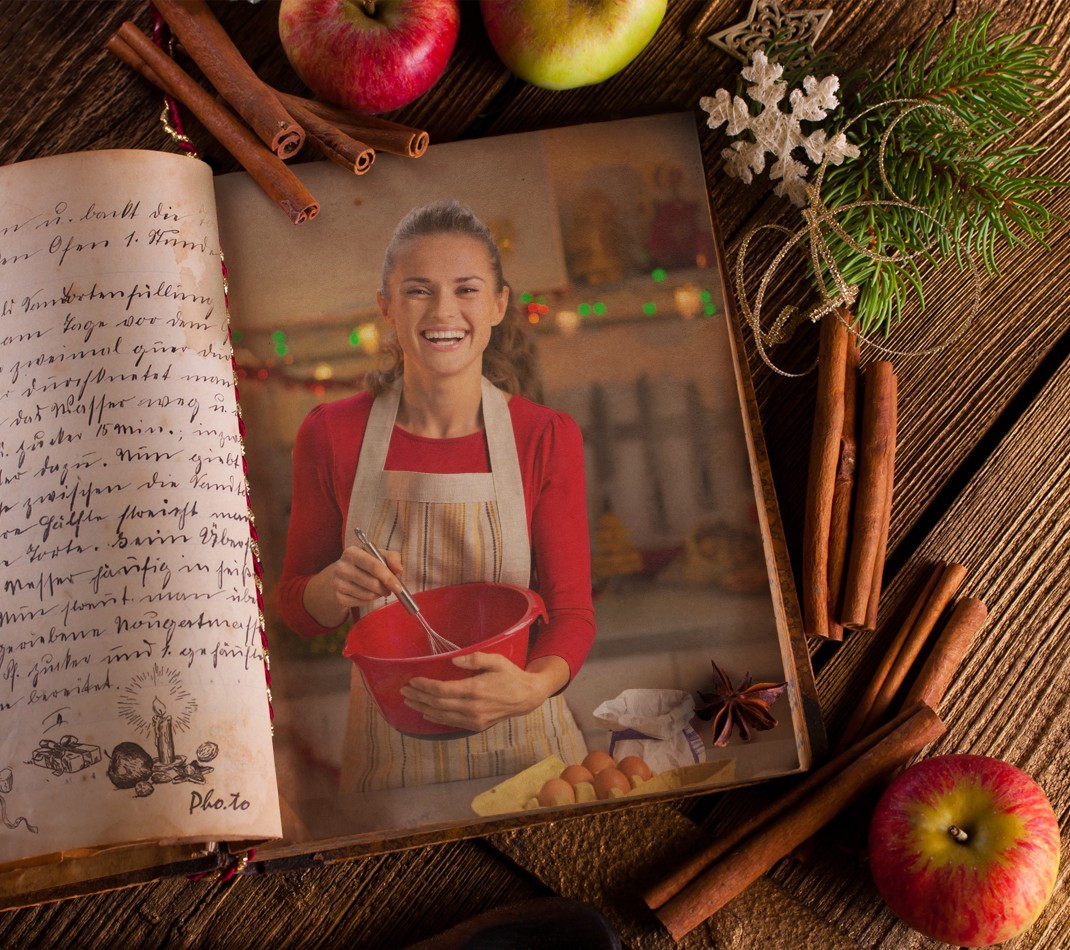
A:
[607,860]
[136,916]
[382,901]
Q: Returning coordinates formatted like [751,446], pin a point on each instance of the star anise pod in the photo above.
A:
[744,707]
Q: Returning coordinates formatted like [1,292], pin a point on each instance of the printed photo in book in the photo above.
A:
[591,522]
[514,551]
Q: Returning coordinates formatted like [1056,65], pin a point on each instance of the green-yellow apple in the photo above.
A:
[562,44]
[369,55]
[965,849]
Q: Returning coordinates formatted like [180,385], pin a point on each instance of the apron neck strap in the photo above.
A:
[505,471]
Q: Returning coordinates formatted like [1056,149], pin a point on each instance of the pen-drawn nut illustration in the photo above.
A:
[207,751]
[129,765]
[144,788]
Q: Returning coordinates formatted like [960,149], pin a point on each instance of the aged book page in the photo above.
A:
[133,701]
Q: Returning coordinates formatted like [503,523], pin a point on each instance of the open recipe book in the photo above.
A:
[138,602]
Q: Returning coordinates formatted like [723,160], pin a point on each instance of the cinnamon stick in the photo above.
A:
[821,476]
[947,653]
[909,642]
[381,134]
[209,46]
[873,606]
[124,51]
[878,434]
[349,153]
[862,707]
[661,891]
[843,491]
[342,149]
[733,873]
[946,587]
[266,168]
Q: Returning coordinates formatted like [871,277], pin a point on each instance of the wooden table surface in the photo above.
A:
[981,477]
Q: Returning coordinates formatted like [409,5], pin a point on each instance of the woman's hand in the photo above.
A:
[500,689]
[354,580]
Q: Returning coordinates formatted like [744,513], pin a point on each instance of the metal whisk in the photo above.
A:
[438,643]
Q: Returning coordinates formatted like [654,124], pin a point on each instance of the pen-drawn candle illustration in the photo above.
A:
[131,765]
[165,737]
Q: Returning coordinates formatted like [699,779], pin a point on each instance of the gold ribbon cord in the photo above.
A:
[820,220]
[179,138]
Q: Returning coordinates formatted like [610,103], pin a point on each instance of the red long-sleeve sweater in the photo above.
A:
[550,449]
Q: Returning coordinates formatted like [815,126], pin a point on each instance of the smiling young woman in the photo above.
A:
[442,297]
[457,477]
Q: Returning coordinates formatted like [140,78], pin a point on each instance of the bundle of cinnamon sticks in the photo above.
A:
[849,486]
[258,125]
[871,753]
[943,653]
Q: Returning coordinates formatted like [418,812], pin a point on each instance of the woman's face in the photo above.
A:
[442,301]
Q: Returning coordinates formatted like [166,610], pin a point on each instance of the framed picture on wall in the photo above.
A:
[507,373]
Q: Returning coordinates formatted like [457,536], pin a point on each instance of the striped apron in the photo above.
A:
[449,529]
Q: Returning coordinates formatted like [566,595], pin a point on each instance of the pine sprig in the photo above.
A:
[986,82]
[963,180]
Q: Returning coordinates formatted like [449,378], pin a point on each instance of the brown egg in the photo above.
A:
[635,768]
[611,783]
[556,791]
[574,774]
[596,761]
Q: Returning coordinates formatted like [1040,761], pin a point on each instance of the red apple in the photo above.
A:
[965,849]
[562,44]
[369,55]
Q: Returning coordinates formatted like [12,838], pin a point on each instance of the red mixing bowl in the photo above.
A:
[390,647]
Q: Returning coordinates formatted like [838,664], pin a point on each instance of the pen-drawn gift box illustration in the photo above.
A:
[65,756]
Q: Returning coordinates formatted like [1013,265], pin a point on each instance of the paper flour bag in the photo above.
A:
[654,724]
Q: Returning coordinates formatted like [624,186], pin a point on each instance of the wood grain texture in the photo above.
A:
[1010,698]
[981,477]
[609,860]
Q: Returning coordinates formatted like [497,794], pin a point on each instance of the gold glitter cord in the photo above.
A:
[177,137]
[820,220]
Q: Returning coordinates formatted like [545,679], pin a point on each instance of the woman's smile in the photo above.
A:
[444,338]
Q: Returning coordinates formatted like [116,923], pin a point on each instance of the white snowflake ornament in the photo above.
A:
[764,79]
[776,131]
